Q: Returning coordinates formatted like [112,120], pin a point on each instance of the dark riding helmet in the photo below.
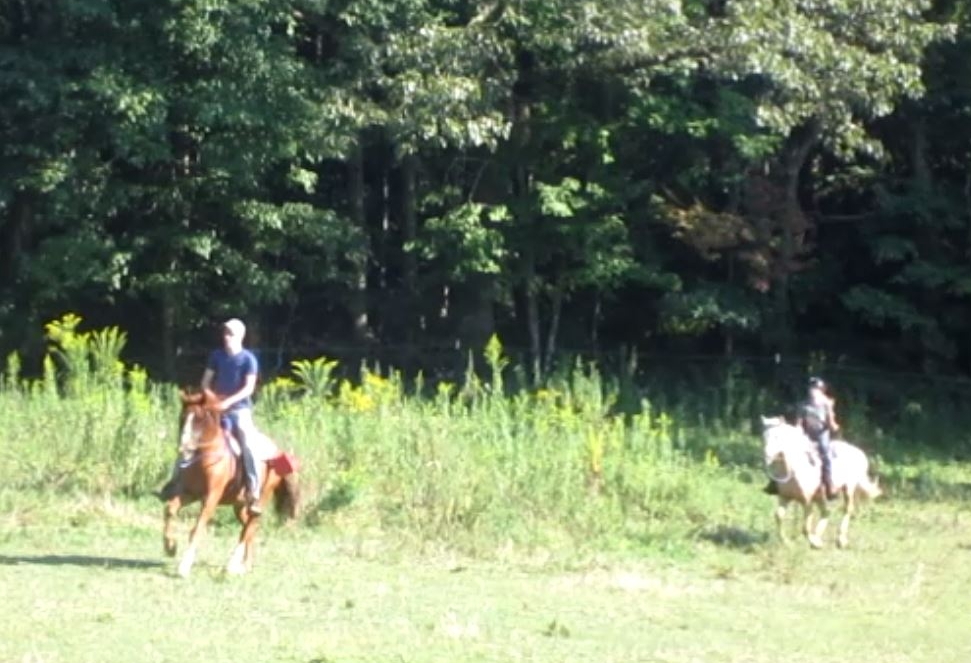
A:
[816,383]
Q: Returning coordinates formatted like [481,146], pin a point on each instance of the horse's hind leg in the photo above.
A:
[239,561]
[849,506]
[168,538]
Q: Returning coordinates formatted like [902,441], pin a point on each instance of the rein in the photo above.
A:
[212,448]
[778,479]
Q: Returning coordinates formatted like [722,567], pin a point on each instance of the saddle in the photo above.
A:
[262,447]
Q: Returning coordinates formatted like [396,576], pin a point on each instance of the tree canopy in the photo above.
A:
[695,175]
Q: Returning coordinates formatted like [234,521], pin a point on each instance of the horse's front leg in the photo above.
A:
[168,537]
[815,534]
[780,518]
[205,515]
[849,507]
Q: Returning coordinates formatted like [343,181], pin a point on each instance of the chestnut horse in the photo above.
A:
[210,473]
[792,462]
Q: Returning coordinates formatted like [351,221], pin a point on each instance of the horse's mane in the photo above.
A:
[192,396]
[789,437]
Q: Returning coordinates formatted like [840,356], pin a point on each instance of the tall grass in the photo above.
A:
[478,463]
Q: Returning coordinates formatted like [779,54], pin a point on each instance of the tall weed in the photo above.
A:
[483,463]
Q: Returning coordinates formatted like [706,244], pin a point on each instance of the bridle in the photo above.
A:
[194,424]
[773,477]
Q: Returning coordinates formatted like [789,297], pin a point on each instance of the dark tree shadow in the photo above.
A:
[80,560]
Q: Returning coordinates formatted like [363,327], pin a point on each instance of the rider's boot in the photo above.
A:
[828,487]
[253,501]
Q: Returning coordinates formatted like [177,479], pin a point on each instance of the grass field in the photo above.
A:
[94,586]
[582,521]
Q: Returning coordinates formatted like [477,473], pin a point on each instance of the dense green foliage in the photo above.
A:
[708,176]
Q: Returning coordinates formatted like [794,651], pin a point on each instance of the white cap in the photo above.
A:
[236,327]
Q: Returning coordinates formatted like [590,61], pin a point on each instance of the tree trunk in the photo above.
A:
[727,331]
[357,301]
[793,225]
[922,171]
[554,329]
[167,334]
[733,206]
[967,246]
[409,233]
[478,321]
[13,237]
[532,315]
[520,140]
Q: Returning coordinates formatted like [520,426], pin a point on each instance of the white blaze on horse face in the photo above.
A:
[189,439]
[775,437]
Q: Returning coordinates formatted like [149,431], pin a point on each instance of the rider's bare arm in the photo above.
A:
[833,424]
[206,381]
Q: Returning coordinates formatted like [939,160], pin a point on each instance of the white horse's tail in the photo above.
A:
[870,488]
[856,469]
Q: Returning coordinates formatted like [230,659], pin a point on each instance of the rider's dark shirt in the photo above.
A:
[229,373]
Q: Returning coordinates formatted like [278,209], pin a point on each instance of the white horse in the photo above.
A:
[792,462]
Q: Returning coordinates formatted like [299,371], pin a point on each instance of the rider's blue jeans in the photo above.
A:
[822,443]
[240,423]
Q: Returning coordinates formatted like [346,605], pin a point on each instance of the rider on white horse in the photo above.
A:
[817,416]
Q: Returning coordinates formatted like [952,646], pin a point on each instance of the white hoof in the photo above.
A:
[236,566]
[235,569]
[185,565]
[185,568]
[815,542]
[842,542]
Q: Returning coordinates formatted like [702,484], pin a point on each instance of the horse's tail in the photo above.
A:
[286,497]
[870,488]
[858,468]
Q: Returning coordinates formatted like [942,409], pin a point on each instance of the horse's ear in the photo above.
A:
[190,397]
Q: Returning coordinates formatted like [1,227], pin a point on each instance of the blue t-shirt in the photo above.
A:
[229,373]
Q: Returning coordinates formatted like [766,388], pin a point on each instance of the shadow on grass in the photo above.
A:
[80,560]
[339,497]
[735,538]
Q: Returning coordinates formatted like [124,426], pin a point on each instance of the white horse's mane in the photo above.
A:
[778,435]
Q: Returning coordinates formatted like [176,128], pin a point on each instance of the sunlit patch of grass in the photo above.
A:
[897,596]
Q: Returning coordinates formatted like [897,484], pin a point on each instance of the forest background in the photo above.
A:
[774,183]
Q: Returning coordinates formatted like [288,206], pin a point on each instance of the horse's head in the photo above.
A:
[778,437]
[199,421]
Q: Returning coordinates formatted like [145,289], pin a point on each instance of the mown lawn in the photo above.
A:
[94,586]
